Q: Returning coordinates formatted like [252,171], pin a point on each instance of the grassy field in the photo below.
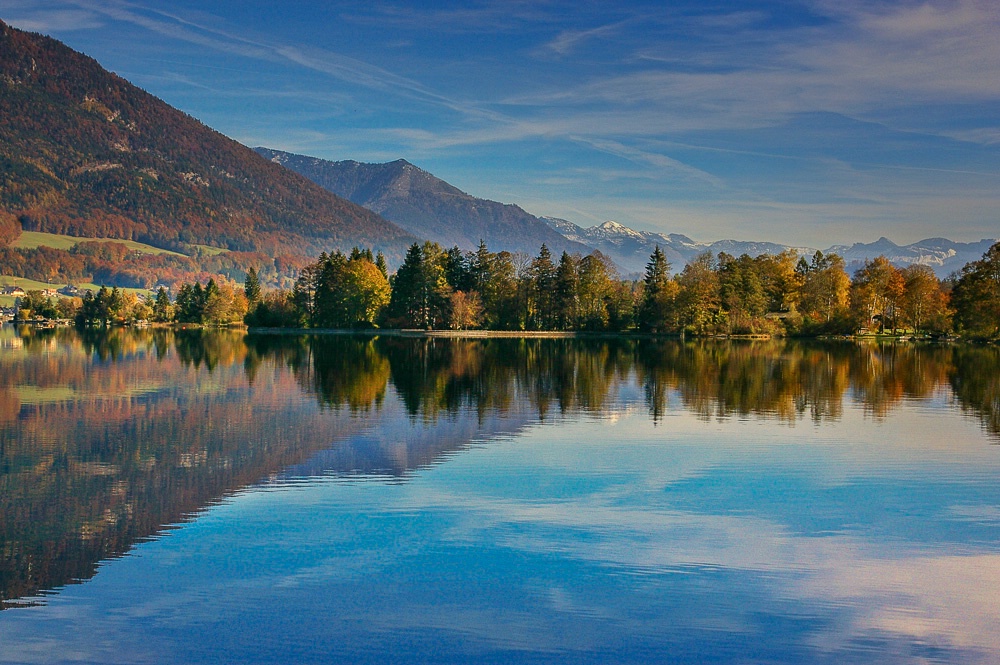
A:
[33,239]
[211,251]
[32,285]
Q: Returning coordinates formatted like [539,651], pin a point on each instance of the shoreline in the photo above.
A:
[521,334]
[582,334]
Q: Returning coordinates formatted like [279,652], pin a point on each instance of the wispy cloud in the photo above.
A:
[862,61]
[316,59]
[568,41]
[501,16]
[660,161]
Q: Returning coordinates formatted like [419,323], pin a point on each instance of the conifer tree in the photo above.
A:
[565,293]
[251,288]
[658,294]
[543,277]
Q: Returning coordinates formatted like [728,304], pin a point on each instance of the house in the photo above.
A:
[12,291]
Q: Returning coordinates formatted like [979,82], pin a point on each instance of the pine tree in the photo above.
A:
[543,278]
[420,291]
[654,310]
[161,306]
[251,288]
[566,297]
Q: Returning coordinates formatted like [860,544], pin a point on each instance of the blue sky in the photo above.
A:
[809,123]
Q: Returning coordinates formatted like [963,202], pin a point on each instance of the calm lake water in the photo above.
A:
[200,498]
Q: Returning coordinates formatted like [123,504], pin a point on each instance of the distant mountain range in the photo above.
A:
[943,255]
[86,153]
[429,207]
[630,249]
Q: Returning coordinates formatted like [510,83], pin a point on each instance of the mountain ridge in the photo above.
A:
[427,206]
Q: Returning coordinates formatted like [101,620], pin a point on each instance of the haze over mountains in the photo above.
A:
[86,153]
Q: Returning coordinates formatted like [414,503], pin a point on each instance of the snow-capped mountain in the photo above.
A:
[630,249]
[942,255]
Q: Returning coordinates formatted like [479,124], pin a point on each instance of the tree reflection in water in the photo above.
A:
[108,437]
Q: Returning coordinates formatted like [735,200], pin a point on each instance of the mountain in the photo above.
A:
[427,206]
[942,255]
[83,152]
[630,249]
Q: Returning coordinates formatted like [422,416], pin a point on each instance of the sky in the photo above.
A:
[808,123]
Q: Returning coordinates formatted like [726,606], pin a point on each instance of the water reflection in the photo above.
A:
[787,381]
[107,437]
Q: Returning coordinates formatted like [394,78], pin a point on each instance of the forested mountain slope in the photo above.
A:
[85,153]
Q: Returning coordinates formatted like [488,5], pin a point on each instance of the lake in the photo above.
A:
[196,497]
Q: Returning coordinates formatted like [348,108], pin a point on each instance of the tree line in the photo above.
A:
[435,288]
[781,294]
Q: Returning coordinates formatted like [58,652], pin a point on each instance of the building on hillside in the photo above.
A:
[12,291]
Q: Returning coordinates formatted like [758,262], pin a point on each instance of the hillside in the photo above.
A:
[427,206]
[85,153]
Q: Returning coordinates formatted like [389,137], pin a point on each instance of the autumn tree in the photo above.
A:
[741,292]
[466,310]
[367,292]
[924,304]
[824,293]
[876,292]
[10,228]
[36,305]
[698,296]
[596,276]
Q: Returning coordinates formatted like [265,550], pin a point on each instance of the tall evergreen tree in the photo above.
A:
[566,293]
[381,265]
[543,277]
[251,288]
[329,309]
[456,270]
[420,291]
[659,292]
[161,306]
